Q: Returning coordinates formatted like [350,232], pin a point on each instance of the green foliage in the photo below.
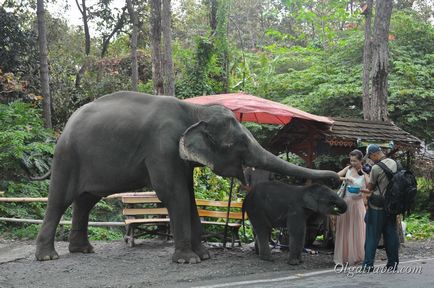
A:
[330,162]
[419,227]
[208,185]
[424,201]
[411,101]
[21,231]
[18,48]
[98,233]
[195,76]
[23,141]
[31,210]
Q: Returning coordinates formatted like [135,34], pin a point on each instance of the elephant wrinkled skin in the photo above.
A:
[275,204]
[127,140]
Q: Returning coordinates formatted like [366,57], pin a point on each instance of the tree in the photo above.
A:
[134,66]
[43,58]
[166,23]
[380,63]
[84,15]
[221,41]
[213,15]
[367,60]
[114,25]
[157,75]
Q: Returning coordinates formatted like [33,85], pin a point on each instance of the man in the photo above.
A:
[377,221]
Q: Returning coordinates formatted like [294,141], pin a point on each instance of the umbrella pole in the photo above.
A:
[227,213]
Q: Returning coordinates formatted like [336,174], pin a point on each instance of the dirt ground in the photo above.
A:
[148,264]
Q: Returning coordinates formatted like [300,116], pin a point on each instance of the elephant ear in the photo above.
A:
[310,201]
[194,145]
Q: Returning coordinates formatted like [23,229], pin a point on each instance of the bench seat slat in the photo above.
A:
[149,221]
[219,214]
[204,202]
[140,199]
[235,225]
[144,211]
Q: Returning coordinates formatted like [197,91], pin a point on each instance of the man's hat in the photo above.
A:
[372,148]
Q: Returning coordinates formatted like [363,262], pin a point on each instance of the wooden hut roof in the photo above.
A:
[369,131]
[343,133]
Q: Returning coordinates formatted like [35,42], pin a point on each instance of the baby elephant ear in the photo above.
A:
[309,201]
[194,145]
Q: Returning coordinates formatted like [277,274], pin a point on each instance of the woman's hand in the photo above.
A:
[366,192]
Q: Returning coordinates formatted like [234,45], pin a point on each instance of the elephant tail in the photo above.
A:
[40,178]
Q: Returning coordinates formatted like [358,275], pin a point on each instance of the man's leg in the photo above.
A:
[374,224]
[391,241]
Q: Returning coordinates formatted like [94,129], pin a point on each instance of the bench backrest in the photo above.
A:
[203,207]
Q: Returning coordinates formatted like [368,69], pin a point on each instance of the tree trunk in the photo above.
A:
[83,11]
[134,66]
[380,62]
[157,77]
[106,42]
[213,16]
[221,40]
[367,60]
[43,65]
[107,38]
[169,79]
[84,16]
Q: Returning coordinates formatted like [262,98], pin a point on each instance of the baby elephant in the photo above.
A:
[275,204]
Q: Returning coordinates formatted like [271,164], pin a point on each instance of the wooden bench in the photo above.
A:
[144,212]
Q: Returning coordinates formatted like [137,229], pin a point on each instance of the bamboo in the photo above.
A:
[17,199]
[45,199]
[66,222]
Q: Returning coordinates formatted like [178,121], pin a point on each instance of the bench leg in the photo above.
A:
[129,237]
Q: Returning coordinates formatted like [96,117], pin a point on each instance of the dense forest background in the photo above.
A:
[304,53]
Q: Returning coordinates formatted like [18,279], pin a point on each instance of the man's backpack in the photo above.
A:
[401,191]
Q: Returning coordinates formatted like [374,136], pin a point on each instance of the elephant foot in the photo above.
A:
[86,248]
[202,252]
[294,261]
[46,254]
[185,256]
[79,242]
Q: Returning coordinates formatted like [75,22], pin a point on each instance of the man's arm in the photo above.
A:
[372,183]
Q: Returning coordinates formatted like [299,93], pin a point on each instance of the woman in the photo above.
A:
[350,226]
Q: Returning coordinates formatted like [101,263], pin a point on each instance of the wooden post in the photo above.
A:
[227,214]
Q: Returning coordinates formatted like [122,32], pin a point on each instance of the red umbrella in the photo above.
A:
[249,108]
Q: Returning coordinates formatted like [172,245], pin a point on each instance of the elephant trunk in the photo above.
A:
[260,158]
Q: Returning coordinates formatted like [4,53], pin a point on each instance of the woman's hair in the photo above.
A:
[357,153]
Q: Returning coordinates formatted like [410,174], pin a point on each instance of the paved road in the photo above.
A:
[422,275]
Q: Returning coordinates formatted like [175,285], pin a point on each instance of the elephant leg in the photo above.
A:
[179,210]
[256,246]
[296,232]
[78,237]
[196,231]
[172,184]
[262,236]
[56,206]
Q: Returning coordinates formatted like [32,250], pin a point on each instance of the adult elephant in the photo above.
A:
[127,140]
